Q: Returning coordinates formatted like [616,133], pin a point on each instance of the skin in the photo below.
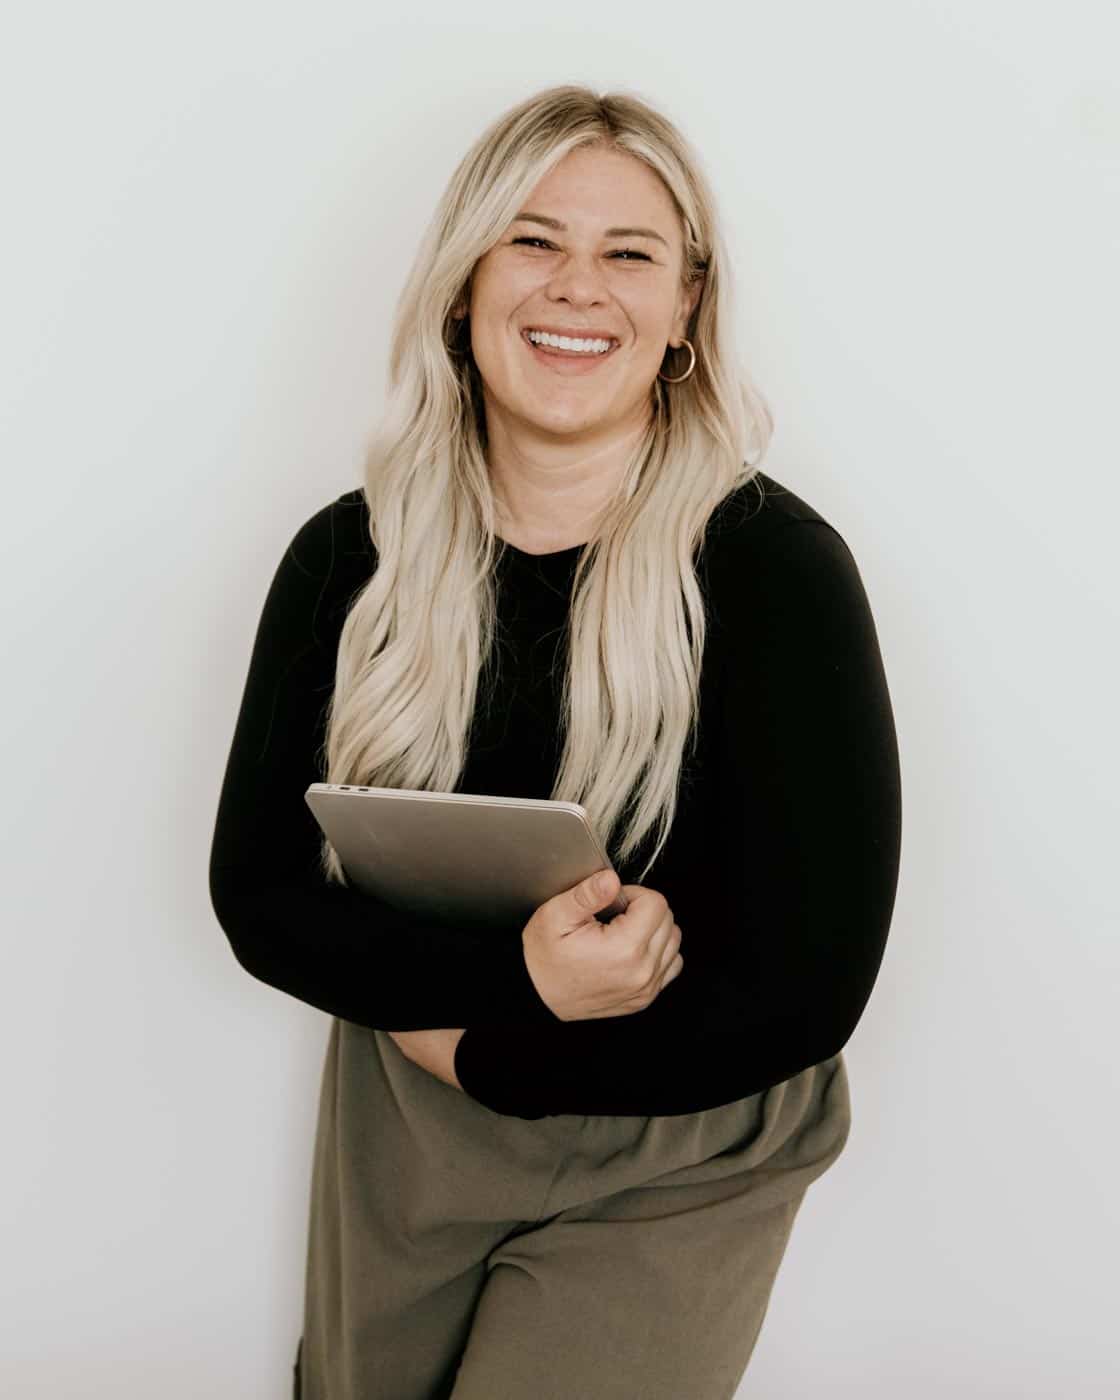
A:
[559,442]
[432,1050]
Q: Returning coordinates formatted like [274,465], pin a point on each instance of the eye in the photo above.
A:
[633,252]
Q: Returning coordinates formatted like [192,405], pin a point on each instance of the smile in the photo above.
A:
[568,361]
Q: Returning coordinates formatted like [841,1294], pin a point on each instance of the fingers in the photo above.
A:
[671,959]
[666,941]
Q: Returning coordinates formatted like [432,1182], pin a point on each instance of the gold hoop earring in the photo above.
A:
[681,377]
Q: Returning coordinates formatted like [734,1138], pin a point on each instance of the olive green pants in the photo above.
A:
[455,1253]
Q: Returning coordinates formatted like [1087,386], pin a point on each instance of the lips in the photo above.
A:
[569,359]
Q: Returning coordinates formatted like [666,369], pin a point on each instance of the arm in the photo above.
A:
[431,1050]
[337,949]
[784,893]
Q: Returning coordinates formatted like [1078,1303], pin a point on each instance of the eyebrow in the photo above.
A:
[608,233]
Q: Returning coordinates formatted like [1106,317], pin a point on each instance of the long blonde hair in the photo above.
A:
[419,632]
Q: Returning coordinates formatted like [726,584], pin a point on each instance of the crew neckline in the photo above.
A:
[572,549]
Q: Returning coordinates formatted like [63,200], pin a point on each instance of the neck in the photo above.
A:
[556,488]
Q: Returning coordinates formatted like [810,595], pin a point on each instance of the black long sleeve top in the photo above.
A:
[781,866]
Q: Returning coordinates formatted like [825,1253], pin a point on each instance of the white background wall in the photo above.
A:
[209,211]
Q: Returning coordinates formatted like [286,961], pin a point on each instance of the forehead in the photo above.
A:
[591,186]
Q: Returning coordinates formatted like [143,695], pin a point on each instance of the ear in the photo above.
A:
[689,300]
[462,301]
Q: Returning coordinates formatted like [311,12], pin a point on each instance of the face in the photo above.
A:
[566,271]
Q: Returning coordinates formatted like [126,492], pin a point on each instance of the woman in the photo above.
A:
[565,1160]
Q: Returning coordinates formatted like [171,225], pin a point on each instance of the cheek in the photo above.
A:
[656,313]
[498,290]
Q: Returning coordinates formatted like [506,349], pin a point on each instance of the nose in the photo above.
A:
[578,280]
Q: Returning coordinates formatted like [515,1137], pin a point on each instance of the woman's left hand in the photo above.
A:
[432,1050]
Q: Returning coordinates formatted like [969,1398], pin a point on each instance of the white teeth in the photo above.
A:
[564,342]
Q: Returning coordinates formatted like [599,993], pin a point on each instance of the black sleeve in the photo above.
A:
[783,937]
[330,945]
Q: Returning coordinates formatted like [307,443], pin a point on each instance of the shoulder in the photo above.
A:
[329,559]
[764,526]
[770,551]
[757,511]
[335,538]
[760,526]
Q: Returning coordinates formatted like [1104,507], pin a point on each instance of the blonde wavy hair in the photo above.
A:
[418,634]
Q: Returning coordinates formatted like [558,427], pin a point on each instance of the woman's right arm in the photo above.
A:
[340,950]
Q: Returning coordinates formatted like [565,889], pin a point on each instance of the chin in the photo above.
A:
[565,424]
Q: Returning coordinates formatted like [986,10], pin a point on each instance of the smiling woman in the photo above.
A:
[562,416]
[565,576]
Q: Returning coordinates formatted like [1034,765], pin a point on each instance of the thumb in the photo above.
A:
[598,890]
